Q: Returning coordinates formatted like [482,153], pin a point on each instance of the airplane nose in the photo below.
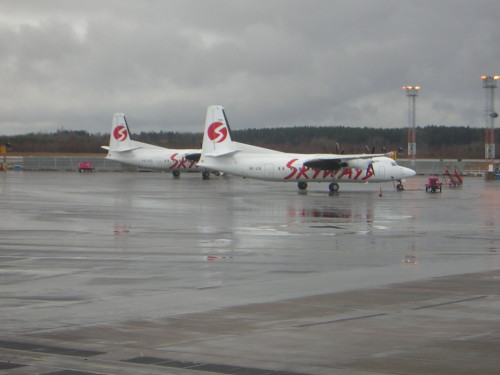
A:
[407,172]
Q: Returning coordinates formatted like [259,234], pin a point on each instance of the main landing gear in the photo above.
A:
[302,185]
[334,186]
[205,175]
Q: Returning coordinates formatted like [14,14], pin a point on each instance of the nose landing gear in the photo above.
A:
[399,186]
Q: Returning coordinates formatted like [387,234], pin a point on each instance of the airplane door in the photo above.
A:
[381,172]
[158,162]
[269,170]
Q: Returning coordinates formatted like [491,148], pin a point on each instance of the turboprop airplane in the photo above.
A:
[123,149]
[220,153]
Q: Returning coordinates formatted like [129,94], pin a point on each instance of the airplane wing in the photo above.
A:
[193,156]
[335,162]
[255,149]
[134,145]
[147,146]
[122,150]
[325,164]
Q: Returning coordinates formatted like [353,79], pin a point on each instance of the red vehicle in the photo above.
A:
[433,185]
[85,166]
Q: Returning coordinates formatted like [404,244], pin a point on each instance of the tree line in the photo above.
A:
[432,140]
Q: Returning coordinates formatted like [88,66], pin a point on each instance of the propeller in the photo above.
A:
[370,166]
[339,151]
[362,164]
[368,149]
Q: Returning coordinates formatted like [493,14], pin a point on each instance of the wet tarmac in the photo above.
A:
[140,273]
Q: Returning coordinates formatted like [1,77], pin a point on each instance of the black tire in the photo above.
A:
[334,186]
[400,187]
[302,185]
[205,175]
[176,173]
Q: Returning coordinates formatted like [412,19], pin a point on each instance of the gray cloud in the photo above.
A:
[73,64]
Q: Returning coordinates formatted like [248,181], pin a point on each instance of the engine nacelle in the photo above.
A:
[362,164]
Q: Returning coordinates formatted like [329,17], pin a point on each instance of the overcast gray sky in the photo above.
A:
[71,64]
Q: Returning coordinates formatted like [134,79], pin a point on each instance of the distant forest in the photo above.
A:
[432,141]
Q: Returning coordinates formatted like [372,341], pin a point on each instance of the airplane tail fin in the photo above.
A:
[217,136]
[119,139]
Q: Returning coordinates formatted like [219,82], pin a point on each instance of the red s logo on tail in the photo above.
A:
[217,132]
[120,133]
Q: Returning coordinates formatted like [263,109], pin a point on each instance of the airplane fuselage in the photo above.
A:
[289,168]
[160,159]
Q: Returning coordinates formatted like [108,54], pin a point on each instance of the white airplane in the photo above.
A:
[220,153]
[123,149]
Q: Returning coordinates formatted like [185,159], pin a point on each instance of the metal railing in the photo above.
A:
[70,163]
